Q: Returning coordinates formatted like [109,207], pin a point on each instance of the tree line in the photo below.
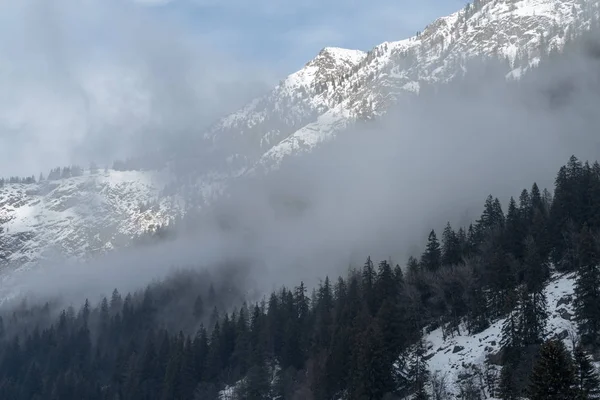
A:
[359,336]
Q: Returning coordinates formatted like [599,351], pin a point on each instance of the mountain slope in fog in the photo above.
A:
[339,87]
[79,216]
[307,109]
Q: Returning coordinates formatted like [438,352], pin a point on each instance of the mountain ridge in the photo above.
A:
[328,95]
[519,32]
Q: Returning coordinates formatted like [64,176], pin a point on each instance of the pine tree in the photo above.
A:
[535,270]
[491,218]
[553,375]
[451,251]
[525,207]
[412,268]
[499,274]
[514,231]
[538,227]
[256,386]
[593,193]
[368,284]
[587,289]
[478,302]
[533,316]
[588,382]
[432,257]
[116,302]
[561,214]
[511,334]
[506,386]
[372,367]
[418,373]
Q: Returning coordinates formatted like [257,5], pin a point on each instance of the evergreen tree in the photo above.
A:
[535,270]
[372,372]
[586,376]
[553,375]
[514,231]
[256,386]
[511,334]
[418,373]
[533,315]
[368,284]
[478,302]
[525,207]
[412,267]
[432,257]
[451,247]
[499,275]
[587,289]
[507,387]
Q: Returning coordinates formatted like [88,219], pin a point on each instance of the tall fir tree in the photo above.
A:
[586,376]
[514,230]
[432,257]
[451,247]
[553,376]
[587,289]
[419,373]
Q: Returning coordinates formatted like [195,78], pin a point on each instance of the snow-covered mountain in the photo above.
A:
[340,86]
[80,216]
[312,106]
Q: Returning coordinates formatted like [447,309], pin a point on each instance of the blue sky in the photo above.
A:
[285,34]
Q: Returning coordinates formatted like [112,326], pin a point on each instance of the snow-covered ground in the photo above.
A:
[459,354]
[78,216]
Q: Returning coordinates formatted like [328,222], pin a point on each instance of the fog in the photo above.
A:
[98,80]
[380,188]
[377,190]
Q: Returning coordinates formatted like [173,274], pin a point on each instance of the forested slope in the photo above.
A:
[359,336]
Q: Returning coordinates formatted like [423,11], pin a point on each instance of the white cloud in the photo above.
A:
[87,80]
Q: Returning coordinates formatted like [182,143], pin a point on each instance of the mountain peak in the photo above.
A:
[343,55]
[329,62]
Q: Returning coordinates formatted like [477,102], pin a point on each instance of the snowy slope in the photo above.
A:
[82,215]
[339,86]
[309,107]
[295,102]
[459,355]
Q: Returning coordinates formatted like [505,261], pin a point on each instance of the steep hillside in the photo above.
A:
[82,215]
[295,102]
[309,107]
[460,357]
[359,85]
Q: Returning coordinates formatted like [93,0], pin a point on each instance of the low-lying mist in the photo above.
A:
[377,189]
[380,188]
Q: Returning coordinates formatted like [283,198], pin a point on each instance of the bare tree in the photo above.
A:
[439,386]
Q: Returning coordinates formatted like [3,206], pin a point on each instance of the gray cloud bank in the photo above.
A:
[379,187]
[104,79]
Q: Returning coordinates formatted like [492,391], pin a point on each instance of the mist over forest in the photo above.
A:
[377,189]
[355,263]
